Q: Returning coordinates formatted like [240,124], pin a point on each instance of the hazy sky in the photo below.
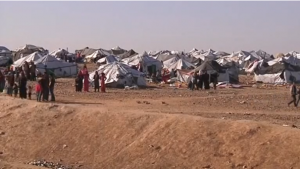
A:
[143,26]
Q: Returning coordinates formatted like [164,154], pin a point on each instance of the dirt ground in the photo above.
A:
[158,127]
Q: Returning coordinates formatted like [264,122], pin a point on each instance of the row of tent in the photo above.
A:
[118,63]
[58,67]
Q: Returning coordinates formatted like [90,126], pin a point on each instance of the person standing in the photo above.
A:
[77,79]
[11,82]
[26,69]
[293,91]
[298,92]
[214,79]
[103,78]
[85,74]
[29,92]
[96,81]
[45,86]
[16,90]
[51,87]
[32,71]
[2,82]
[190,84]
[38,91]
[22,85]
[205,78]
[200,80]
[194,82]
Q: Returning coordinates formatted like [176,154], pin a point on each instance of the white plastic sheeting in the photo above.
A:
[58,52]
[108,59]
[119,74]
[58,67]
[145,59]
[177,63]
[97,53]
[32,57]
[276,79]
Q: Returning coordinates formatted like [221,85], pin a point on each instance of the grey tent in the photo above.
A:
[210,66]
[127,54]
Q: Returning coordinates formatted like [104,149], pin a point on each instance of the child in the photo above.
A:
[16,89]
[29,92]
[38,91]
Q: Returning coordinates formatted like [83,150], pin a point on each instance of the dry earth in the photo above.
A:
[157,127]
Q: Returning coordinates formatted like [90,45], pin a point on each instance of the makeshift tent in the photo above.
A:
[97,54]
[207,56]
[27,50]
[86,51]
[178,63]
[127,54]
[220,53]
[58,67]
[212,67]
[120,75]
[145,60]
[32,57]
[118,51]
[280,70]
[232,69]
[163,52]
[108,59]
[59,52]
[183,75]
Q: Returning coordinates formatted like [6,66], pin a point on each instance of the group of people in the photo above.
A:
[202,80]
[82,81]
[14,82]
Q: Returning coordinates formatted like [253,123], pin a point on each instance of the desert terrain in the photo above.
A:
[159,127]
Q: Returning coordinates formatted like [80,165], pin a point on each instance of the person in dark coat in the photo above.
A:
[194,82]
[214,80]
[51,87]
[22,85]
[77,79]
[200,81]
[11,82]
[45,86]
[27,70]
[298,92]
[96,81]
[293,91]
[205,77]
[32,71]
[2,81]
[80,84]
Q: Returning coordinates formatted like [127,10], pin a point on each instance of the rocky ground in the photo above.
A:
[157,127]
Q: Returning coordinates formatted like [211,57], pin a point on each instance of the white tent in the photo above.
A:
[205,56]
[120,75]
[58,67]
[108,59]
[32,57]
[279,70]
[145,59]
[96,54]
[58,52]
[177,63]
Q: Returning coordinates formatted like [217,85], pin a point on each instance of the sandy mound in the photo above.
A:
[94,137]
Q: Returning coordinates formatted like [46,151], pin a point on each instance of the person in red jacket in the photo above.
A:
[38,91]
